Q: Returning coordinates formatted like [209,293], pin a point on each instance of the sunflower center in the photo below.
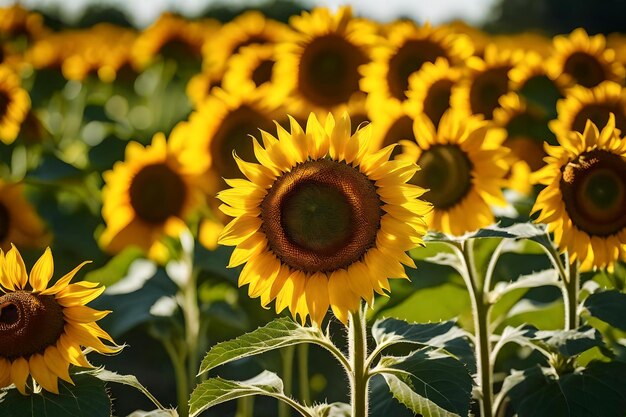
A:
[156,193]
[399,130]
[585,69]
[328,73]
[447,172]
[599,115]
[263,72]
[5,100]
[594,192]
[5,221]
[29,323]
[487,89]
[437,100]
[321,216]
[409,58]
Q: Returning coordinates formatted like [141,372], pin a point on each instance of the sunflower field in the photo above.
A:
[318,215]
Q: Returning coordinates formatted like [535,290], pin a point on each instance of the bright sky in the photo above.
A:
[435,11]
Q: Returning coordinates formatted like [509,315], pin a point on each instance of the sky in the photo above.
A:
[435,11]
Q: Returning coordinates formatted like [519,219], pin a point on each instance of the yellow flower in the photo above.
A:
[595,104]
[14,105]
[43,328]
[463,166]
[16,20]
[431,87]
[150,194]
[200,85]
[318,65]
[580,59]
[321,221]
[407,48]
[485,81]
[393,125]
[250,69]
[585,195]
[19,223]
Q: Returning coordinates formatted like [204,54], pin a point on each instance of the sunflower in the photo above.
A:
[531,79]
[199,86]
[321,221]
[43,328]
[595,104]
[485,81]
[250,69]
[430,88]
[392,126]
[249,28]
[172,35]
[407,49]
[585,195]
[463,164]
[14,105]
[150,193]
[583,60]
[16,21]
[19,222]
[318,65]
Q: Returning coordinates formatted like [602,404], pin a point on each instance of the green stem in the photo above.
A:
[191,313]
[303,373]
[357,343]
[245,407]
[572,287]
[284,410]
[182,386]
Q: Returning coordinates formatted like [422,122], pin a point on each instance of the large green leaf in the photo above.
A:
[429,382]
[596,391]
[390,330]
[570,342]
[88,397]
[215,391]
[608,306]
[279,333]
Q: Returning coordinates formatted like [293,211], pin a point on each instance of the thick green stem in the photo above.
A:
[357,343]
[284,410]
[303,374]
[572,287]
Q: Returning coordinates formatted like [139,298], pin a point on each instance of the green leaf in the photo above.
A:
[330,410]
[88,397]
[52,168]
[116,268]
[596,391]
[570,342]
[154,413]
[608,306]
[279,333]
[215,391]
[129,380]
[515,231]
[390,330]
[429,383]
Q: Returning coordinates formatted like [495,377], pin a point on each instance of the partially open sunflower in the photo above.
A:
[19,222]
[585,195]
[463,165]
[43,329]
[250,69]
[14,105]
[321,221]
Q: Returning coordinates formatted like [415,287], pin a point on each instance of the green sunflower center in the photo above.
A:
[487,89]
[263,72]
[29,323]
[156,193]
[447,172]
[234,135]
[321,216]
[585,69]
[594,192]
[328,73]
[5,222]
[437,100]
[409,58]
[598,113]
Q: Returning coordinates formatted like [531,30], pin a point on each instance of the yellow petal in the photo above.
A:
[57,364]
[42,271]
[317,297]
[40,372]
[14,269]
[64,281]
[19,374]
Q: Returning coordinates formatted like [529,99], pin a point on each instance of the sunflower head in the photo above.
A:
[43,329]
[321,221]
[14,105]
[585,195]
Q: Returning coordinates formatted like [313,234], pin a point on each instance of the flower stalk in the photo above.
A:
[357,343]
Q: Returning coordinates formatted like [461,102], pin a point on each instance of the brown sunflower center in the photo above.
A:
[487,88]
[437,100]
[263,72]
[5,222]
[234,135]
[29,323]
[328,74]
[156,193]
[321,216]
[399,130]
[409,58]
[594,192]
[447,172]
[598,113]
[5,100]
[585,69]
